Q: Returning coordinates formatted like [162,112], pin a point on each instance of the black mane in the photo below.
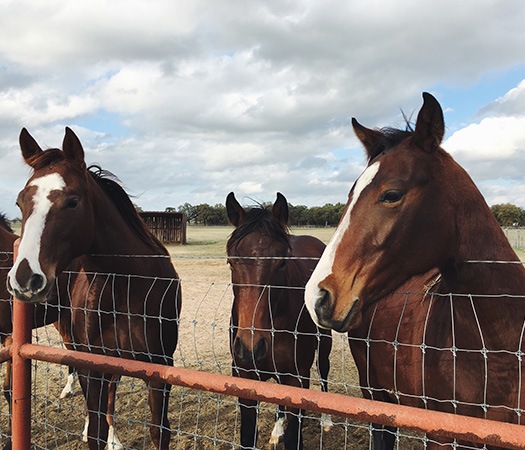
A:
[4,222]
[391,137]
[110,185]
[258,219]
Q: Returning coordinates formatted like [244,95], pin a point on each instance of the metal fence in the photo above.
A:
[204,410]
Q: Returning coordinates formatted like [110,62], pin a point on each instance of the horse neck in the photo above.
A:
[489,294]
[479,237]
[113,236]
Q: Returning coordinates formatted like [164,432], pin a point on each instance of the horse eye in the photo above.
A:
[282,265]
[391,196]
[71,203]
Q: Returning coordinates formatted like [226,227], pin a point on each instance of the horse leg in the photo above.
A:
[69,388]
[113,440]
[293,435]
[158,399]
[384,436]
[323,369]
[249,410]
[95,389]
[278,428]
[8,340]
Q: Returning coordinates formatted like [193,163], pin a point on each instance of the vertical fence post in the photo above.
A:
[21,373]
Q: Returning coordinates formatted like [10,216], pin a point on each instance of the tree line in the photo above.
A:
[508,215]
[300,215]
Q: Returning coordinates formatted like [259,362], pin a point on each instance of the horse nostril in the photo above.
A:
[238,349]
[323,305]
[36,282]
[261,349]
[324,298]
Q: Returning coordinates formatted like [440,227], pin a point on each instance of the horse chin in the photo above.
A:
[34,297]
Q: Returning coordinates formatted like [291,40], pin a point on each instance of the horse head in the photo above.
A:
[257,254]
[399,220]
[57,216]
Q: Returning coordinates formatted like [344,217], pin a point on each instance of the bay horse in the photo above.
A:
[125,294]
[416,222]
[272,334]
[42,314]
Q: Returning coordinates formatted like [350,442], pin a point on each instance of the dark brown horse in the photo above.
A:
[42,314]
[122,280]
[272,334]
[52,312]
[415,222]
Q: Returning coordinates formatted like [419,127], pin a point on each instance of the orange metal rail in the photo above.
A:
[461,427]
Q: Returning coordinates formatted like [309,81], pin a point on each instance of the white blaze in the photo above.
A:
[324,266]
[34,226]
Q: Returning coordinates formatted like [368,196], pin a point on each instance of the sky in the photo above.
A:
[185,101]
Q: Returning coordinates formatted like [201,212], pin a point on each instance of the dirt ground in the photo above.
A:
[199,420]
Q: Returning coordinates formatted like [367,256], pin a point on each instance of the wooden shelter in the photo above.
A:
[168,227]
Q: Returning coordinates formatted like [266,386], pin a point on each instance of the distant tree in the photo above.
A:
[509,215]
[298,214]
[137,207]
[190,211]
[211,215]
[170,209]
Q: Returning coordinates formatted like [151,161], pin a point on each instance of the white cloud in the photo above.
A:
[188,101]
[493,138]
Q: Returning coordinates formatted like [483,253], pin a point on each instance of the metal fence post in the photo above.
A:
[21,375]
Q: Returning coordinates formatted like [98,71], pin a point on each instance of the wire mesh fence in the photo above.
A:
[200,419]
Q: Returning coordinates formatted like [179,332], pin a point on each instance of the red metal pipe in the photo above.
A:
[21,373]
[443,424]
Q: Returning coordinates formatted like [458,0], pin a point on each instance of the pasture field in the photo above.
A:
[199,420]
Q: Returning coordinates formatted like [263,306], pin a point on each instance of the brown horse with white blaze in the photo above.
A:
[124,292]
[272,334]
[41,315]
[416,223]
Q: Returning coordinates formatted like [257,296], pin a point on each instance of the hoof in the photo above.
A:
[113,440]
[274,440]
[277,432]
[66,394]
[326,422]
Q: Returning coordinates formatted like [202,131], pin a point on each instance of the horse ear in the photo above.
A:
[280,210]
[234,210]
[370,139]
[29,146]
[73,148]
[430,125]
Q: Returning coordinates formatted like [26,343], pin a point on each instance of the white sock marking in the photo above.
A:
[69,388]
[278,431]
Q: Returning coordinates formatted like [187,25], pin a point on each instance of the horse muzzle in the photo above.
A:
[28,286]
[325,315]
[247,357]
